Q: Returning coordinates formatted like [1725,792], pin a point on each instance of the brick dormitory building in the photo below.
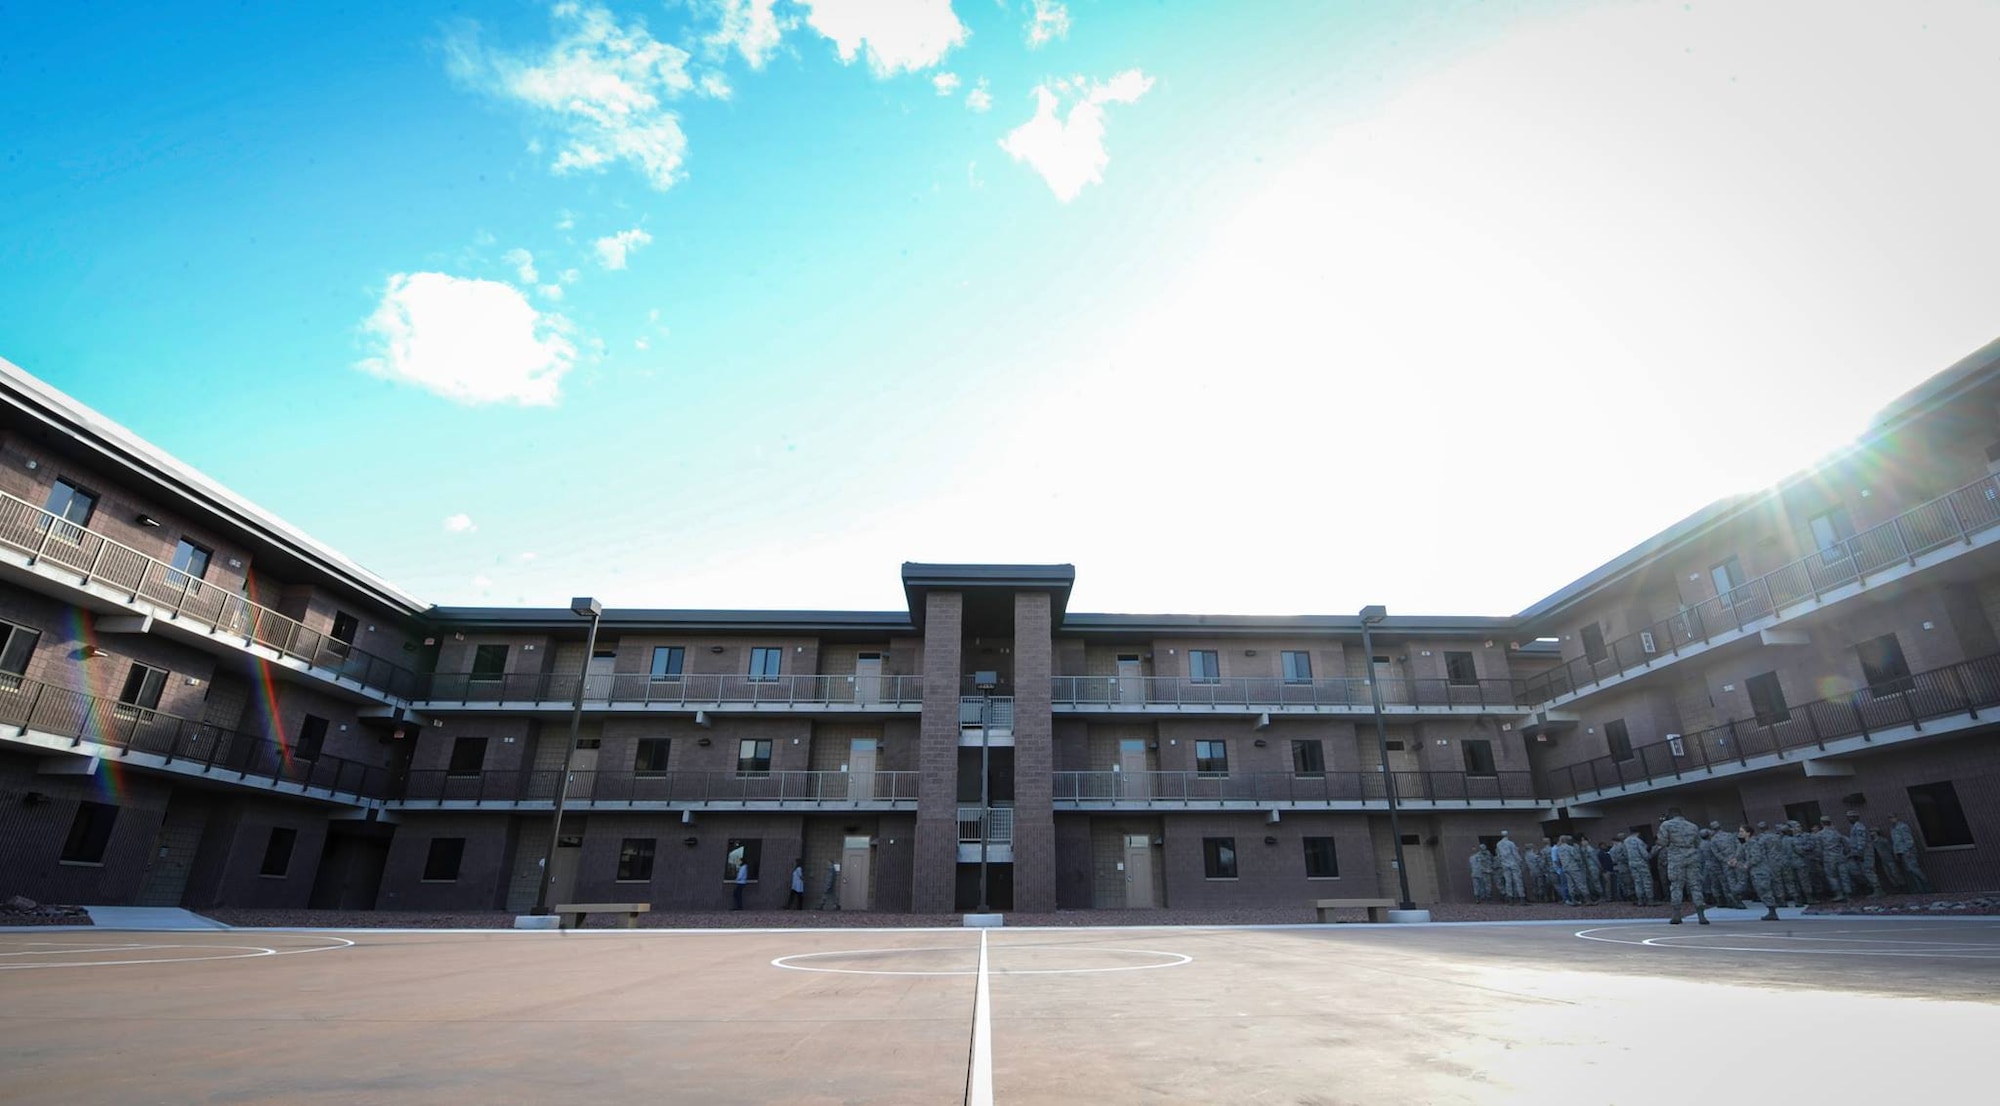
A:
[201,706]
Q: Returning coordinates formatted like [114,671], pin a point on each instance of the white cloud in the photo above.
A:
[979,99]
[482,582]
[1069,151]
[565,220]
[899,35]
[460,523]
[751,28]
[526,557]
[551,292]
[611,250]
[641,344]
[569,276]
[473,341]
[945,83]
[606,86]
[715,86]
[1051,22]
[523,263]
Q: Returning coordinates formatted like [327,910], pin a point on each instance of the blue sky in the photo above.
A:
[1241,307]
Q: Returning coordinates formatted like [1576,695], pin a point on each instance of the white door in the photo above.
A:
[854,863]
[562,886]
[1131,685]
[861,770]
[1385,678]
[583,769]
[1133,782]
[1138,871]
[597,685]
[868,678]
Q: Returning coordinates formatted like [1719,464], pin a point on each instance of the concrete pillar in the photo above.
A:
[1034,755]
[934,874]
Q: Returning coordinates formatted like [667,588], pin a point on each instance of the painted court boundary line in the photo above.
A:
[979,1073]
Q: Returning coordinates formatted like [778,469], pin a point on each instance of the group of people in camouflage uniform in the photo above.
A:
[1788,865]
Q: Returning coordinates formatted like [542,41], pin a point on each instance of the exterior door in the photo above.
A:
[1385,678]
[855,858]
[868,678]
[1133,782]
[598,680]
[173,855]
[861,769]
[1138,871]
[562,886]
[1131,685]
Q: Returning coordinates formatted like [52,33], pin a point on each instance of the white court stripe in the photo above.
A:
[979,1079]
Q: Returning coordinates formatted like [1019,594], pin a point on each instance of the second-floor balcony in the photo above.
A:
[1330,790]
[1274,695]
[608,789]
[92,562]
[639,691]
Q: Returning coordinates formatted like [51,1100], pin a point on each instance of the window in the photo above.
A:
[1728,576]
[635,860]
[89,833]
[765,662]
[1767,699]
[278,851]
[753,757]
[1308,759]
[1883,667]
[312,737]
[1805,814]
[1593,643]
[1830,531]
[1204,666]
[190,564]
[667,661]
[743,853]
[650,757]
[1619,739]
[1321,860]
[468,756]
[1939,816]
[1211,758]
[1479,757]
[441,865]
[142,688]
[1218,857]
[72,507]
[17,645]
[345,627]
[1298,666]
[489,662]
[1458,668]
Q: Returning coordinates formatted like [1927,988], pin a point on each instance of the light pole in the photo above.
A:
[1370,616]
[587,608]
[986,682]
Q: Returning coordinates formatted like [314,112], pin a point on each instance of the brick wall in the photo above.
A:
[1034,755]
[935,861]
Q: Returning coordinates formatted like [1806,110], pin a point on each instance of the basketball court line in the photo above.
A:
[237,952]
[1790,944]
[979,1072]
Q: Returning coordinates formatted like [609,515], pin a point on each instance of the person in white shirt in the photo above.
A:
[797,899]
[742,881]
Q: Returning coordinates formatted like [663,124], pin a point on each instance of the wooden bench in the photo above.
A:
[1377,908]
[572,913]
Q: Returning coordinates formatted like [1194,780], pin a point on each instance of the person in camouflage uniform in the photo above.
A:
[1575,880]
[1860,855]
[1725,846]
[1507,856]
[1833,859]
[1593,879]
[1904,843]
[1482,874]
[1538,876]
[1756,859]
[1639,860]
[1885,863]
[1621,868]
[1711,880]
[1680,842]
[1806,847]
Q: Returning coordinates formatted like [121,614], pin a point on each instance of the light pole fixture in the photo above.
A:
[986,682]
[583,607]
[1373,615]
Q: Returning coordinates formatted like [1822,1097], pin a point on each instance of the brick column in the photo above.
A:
[1034,755]
[934,873]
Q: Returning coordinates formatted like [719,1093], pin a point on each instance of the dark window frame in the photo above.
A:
[63,527]
[1767,699]
[753,856]
[1460,668]
[1732,574]
[635,859]
[443,860]
[1940,817]
[1218,858]
[648,766]
[187,575]
[89,837]
[759,752]
[1211,660]
[669,663]
[1889,673]
[1211,757]
[463,765]
[311,740]
[17,650]
[1312,766]
[767,663]
[278,864]
[1594,649]
[1296,665]
[1477,750]
[140,696]
[489,661]
[1330,861]
[1617,737]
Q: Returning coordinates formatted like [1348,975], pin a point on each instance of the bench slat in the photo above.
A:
[603,907]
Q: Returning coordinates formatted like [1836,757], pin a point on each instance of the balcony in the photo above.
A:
[1272,695]
[59,719]
[606,789]
[1932,532]
[83,559]
[995,830]
[639,692]
[1927,704]
[1262,790]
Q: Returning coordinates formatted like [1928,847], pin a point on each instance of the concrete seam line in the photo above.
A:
[979,1073]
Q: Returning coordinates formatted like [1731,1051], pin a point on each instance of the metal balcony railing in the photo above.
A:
[640,689]
[1950,518]
[693,788]
[997,828]
[996,712]
[224,753]
[1199,788]
[1965,688]
[174,594]
[1273,693]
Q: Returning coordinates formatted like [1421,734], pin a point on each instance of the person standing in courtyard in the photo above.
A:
[831,892]
[796,899]
[1885,863]
[1904,843]
[1755,858]
[742,881]
[1860,856]
[1680,842]
[1621,867]
[1833,859]
[1508,856]
[1482,874]
[1725,847]
[1640,863]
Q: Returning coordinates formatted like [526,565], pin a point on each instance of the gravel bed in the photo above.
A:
[46,916]
[1957,904]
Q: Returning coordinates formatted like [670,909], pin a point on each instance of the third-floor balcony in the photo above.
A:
[121,578]
[626,789]
[640,692]
[1273,695]
[1355,790]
